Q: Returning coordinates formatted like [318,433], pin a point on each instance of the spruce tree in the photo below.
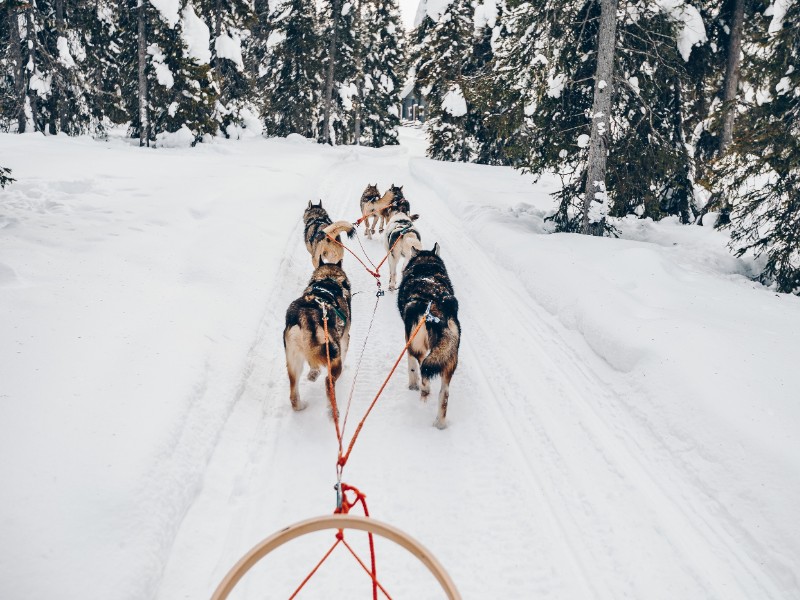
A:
[443,57]
[227,22]
[5,177]
[340,52]
[179,90]
[382,48]
[762,172]
[291,75]
[549,59]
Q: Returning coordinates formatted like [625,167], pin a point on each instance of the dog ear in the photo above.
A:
[414,252]
[339,264]
[320,203]
[436,249]
[414,217]
[310,204]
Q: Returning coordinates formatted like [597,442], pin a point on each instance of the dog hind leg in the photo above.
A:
[294,367]
[444,398]
[413,372]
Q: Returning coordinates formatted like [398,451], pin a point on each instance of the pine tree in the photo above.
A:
[551,52]
[227,22]
[382,46]
[292,74]
[340,64]
[5,177]
[443,56]
[762,172]
[179,91]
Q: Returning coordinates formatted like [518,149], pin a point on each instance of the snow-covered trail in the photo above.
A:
[546,484]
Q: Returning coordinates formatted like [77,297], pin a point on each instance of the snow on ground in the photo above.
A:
[623,423]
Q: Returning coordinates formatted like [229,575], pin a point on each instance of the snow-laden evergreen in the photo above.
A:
[291,75]
[443,57]
[763,169]
[382,47]
[548,65]
[227,22]
[341,48]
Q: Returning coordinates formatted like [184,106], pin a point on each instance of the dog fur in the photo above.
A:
[401,238]
[434,351]
[318,226]
[386,213]
[304,334]
[372,204]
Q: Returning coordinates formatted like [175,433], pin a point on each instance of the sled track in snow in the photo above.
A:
[574,513]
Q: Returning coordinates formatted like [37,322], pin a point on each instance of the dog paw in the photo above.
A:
[440,423]
[413,385]
[380,230]
[299,405]
[392,287]
[423,395]
[313,374]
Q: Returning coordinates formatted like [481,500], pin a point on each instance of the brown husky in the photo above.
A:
[372,204]
[318,227]
[328,293]
[434,350]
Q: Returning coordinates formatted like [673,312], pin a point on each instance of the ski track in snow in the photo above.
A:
[546,484]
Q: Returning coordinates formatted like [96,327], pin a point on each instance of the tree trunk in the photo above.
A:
[144,121]
[601,109]
[59,120]
[360,37]
[38,125]
[19,68]
[336,11]
[731,84]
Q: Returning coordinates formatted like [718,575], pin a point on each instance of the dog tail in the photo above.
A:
[445,337]
[334,229]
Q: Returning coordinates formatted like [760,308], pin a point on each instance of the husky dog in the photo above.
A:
[434,350]
[372,203]
[401,237]
[318,228]
[397,196]
[328,292]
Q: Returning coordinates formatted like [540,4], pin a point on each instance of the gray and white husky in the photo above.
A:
[401,237]
[434,350]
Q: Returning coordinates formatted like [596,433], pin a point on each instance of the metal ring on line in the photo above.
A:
[283,536]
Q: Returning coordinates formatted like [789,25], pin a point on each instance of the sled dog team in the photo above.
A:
[425,286]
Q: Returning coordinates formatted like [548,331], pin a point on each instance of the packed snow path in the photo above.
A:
[562,474]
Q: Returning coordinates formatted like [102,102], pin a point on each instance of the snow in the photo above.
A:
[230,47]
[196,35]
[432,8]
[583,140]
[168,9]
[555,84]
[64,56]
[40,83]
[777,10]
[692,31]
[183,138]
[454,102]
[163,73]
[624,417]
[486,14]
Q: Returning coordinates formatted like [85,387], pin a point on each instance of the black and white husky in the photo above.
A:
[318,226]
[426,289]
[401,238]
